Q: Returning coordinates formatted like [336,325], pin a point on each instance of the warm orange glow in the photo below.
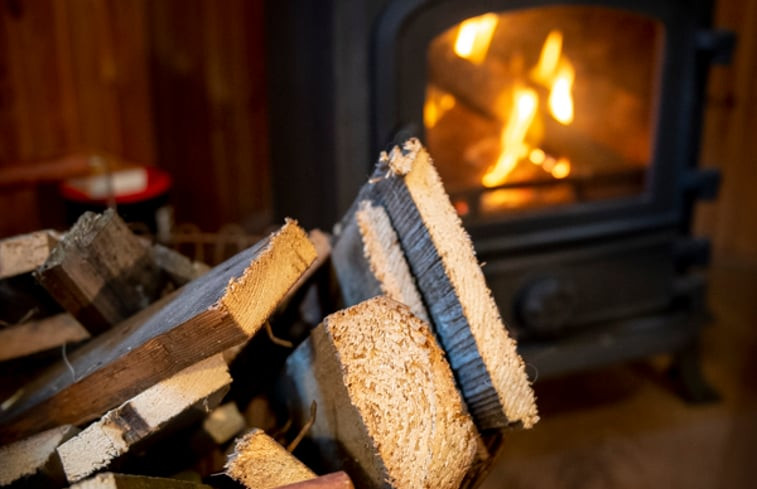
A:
[561,168]
[549,58]
[537,156]
[436,105]
[513,136]
[560,98]
[474,37]
[496,200]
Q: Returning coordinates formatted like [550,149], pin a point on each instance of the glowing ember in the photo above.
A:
[474,36]
[537,156]
[561,168]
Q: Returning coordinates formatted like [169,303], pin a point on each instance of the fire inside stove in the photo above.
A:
[543,107]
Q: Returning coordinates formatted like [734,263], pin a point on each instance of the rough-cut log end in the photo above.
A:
[465,317]
[390,409]
[259,462]
[288,254]
[34,460]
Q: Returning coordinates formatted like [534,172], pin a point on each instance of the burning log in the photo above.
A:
[221,309]
[172,401]
[369,261]
[391,412]
[33,461]
[465,317]
[258,462]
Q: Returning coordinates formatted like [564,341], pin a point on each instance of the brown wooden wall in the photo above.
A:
[168,82]
[730,140]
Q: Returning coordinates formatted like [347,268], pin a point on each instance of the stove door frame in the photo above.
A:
[400,41]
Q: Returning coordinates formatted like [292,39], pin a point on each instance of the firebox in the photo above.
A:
[566,134]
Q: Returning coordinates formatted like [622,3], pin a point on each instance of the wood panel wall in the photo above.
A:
[730,140]
[173,83]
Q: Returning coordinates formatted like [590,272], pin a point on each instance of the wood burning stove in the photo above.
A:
[566,134]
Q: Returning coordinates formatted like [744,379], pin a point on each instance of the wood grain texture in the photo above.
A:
[389,413]
[223,423]
[37,336]
[334,480]
[369,261]
[170,402]
[34,460]
[259,462]
[218,310]
[24,253]
[110,480]
[465,317]
[101,272]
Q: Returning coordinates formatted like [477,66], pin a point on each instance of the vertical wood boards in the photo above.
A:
[221,309]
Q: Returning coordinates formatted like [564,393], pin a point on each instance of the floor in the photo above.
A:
[624,427]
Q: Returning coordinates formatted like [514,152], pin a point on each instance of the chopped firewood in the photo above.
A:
[33,461]
[258,462]
[109,480]
[334,480]
[101,272]
[369,261]
[465,317]
[173,401]
[24,253]
[389,411]
[37,336]
[208,315]
[179,268]
[223,423]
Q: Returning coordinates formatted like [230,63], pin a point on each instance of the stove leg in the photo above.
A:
[686,373]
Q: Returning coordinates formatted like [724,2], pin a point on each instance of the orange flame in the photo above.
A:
[474,37]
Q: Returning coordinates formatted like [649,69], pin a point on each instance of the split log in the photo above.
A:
[173,402]
[465,317]
[210,314]
[335,480]
[110,480]
[101,272]
[24,253]
[389,413]
[369,261]
[259,462]
[223,423]
[38,336]
[178,267]
[33,461]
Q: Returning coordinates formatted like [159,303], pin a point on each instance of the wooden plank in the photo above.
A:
[334,480]
[33,461]
[109,480]
[369,261]
[101,272]
[258,462]
[223,423]
[216,311]
[465,317]
[24,253]
[388,411]
[37,336]
[170,402]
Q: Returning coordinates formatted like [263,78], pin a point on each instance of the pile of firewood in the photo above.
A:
[375,356]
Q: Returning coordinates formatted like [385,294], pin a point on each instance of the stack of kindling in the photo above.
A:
[398,381]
